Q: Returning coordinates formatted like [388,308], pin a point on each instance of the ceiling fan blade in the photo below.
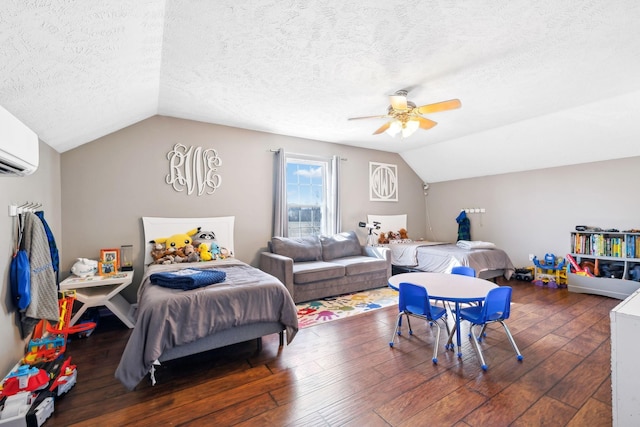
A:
[368,117]
[426,123]
[382,128]
[440,106]
[398,102]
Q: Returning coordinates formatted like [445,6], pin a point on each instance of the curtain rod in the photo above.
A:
[277,150]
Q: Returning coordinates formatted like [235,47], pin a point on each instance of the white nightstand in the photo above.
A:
[96,291]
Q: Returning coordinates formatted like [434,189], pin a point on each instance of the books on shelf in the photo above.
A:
[606,245]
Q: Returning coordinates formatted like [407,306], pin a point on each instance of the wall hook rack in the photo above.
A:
[15,210]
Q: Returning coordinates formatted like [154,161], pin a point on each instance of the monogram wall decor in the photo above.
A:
[383,182]
[194,169]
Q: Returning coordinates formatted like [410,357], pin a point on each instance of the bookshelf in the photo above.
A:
[614,257]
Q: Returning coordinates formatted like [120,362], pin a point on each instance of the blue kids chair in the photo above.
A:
[496,308]
[463,270]
[414,301]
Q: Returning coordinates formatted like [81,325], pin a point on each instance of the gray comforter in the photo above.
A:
[442,258]
[168,318]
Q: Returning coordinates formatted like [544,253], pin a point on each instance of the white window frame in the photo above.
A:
[326,208]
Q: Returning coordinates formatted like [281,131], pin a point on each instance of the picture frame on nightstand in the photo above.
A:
[107,268]
[110,255]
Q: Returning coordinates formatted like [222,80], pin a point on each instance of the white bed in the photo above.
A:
[173,323]
[441,257]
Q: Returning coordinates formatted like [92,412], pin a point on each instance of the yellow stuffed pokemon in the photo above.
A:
[179,240]
[205,253]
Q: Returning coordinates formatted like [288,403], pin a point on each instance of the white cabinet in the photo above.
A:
[625,369]
[616,256]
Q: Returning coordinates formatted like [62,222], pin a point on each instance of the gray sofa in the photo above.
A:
[317,267]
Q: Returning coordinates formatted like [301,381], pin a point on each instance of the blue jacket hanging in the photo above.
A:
[20,280]
[464,226]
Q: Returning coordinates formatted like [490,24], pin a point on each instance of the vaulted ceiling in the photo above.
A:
[542,83]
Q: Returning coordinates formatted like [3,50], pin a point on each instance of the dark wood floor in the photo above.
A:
[344,373]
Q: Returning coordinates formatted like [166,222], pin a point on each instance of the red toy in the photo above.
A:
[579,270]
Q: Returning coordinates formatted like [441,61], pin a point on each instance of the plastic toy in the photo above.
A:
[66,378]
[50,342]
[25,378]
[524,274]
[578,270]
[27,409]
[551,272]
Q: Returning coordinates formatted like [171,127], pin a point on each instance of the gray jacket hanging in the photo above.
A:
[44,288]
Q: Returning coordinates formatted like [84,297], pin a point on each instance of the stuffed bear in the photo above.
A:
[186,254]
[403,234]
[383,239]
[162,255]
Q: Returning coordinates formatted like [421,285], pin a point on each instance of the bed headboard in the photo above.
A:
[389,222]
[155,228]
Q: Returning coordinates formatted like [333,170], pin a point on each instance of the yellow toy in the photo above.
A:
[177,240]
[205,253]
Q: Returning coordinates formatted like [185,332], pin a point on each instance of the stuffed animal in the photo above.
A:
[186,254]
[162,255]
[403,234]
[393,235]
[179,240]
[215,250]
[204,236]
[205,254]
[85,267]
[382,239]
[225,253]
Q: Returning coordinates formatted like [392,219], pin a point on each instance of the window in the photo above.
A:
[308,184]
[306,198]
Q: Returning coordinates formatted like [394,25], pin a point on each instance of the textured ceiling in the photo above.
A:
[542,83]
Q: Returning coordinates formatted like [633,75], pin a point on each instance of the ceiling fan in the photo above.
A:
[406,118]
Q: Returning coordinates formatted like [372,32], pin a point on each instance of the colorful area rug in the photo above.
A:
[326,310]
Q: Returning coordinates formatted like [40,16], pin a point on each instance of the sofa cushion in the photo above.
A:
[306,248]
[340,245]
[361,264]
[313,271]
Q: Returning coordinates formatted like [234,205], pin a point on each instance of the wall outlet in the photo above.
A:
[531,256]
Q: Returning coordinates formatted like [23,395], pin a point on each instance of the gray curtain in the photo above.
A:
[335,225]
[280,215]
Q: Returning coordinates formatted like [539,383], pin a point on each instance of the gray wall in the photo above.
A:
[533,212]
[110,183]
[42,186]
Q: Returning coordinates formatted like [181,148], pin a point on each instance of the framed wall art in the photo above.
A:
[383,182]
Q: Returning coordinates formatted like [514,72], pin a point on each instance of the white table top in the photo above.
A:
[445,286]
[75,282]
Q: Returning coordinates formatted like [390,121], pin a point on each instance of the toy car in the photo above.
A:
[523,274]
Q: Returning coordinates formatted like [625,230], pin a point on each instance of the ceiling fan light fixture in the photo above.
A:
[409,128]
[394,128]
[406,117]
[405,129]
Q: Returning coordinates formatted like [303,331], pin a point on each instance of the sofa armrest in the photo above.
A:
[279,266]
[379,252]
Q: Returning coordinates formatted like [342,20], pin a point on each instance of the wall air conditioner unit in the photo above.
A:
[19,154]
